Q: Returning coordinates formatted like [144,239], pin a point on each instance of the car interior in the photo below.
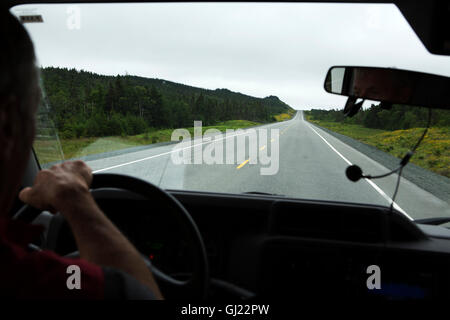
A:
[244,247]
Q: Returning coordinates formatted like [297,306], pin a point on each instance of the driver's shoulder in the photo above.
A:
[44,274]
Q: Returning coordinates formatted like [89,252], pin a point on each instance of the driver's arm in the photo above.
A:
[64,188]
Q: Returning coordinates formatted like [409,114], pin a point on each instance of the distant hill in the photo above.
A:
[88,104]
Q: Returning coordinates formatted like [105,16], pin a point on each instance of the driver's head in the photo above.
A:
[19,98]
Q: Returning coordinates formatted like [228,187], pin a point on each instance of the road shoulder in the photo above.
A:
[435,184]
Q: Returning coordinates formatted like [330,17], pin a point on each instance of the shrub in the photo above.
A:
[67,133]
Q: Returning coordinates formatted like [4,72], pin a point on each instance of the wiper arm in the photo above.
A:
[433,221]
[263,193]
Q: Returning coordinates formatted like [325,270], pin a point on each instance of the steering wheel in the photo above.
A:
[197,285]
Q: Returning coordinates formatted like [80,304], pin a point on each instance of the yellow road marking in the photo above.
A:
[283,131]
[262,148]
[242,164]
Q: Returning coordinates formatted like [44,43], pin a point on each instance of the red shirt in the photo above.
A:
[41,274]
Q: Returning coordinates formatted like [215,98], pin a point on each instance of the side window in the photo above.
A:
[46,144]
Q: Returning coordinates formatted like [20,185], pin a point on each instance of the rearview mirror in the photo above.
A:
[390,85]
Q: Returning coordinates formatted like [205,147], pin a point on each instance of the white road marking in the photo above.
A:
[164,153]
[377,188]
[176,150]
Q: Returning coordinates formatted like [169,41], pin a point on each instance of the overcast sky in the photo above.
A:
[258,49]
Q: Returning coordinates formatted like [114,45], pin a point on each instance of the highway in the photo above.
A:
[311,165]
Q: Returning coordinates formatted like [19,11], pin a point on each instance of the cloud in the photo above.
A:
[261,49]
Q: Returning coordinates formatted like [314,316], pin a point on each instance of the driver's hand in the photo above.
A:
[58,187]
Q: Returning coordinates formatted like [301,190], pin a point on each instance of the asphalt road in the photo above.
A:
[311,165]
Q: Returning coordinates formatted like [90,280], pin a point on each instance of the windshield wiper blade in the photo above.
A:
[433,221]
[263,193]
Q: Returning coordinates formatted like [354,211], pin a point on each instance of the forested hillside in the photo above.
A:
[85,104]
[400,117]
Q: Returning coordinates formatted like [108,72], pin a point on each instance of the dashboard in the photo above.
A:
[284,248]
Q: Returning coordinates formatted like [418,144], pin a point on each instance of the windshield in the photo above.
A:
[229,97]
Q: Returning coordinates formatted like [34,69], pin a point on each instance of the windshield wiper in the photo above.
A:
[263,193]
[433,221]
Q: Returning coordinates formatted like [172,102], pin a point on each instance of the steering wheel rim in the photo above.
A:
[197,285]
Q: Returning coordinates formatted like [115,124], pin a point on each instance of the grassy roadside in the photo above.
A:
[433,153]
[165,134]
[285,116]
[48,150]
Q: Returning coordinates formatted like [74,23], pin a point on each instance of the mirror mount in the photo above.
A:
[385,105]
[352,107]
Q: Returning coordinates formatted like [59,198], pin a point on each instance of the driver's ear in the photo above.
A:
[9,125]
